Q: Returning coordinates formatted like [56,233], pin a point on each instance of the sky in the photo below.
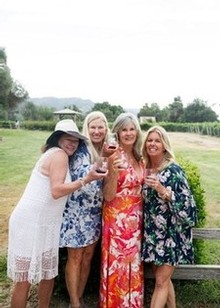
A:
[125,52]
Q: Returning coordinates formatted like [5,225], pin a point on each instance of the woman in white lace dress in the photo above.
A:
[34,225]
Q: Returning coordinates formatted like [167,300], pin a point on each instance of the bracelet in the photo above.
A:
[82,183]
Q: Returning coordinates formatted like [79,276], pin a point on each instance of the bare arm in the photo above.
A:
[111,180]
[57,173]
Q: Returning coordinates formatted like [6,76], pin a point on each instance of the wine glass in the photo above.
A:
[124,161]
[101,164]
[112,140]
[151,173]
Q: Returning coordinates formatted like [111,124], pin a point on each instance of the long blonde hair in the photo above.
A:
[121,121]
[94,115]
[169,156]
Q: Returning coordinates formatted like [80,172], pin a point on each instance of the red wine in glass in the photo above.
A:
[101,165]
[100,171]
[112,147]
[112,141]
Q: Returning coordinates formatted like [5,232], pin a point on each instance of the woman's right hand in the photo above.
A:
[106,151]
[94,175]
[119,161]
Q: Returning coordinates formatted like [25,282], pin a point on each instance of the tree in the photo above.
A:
[152,110]
[17,95]
[11,91]
[75,108]
[165,114]
[5,84]
[198,111]
[111,111]
[3,57]
[30,111]
[175,110]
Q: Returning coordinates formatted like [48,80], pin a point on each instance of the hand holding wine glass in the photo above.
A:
[101,164]
[112,141]
[151,177]
[124,164]
[110,145]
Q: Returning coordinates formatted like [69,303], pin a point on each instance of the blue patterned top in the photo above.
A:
[81,224]
[168,225]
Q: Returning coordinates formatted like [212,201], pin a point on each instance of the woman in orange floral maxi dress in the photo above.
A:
[121,265]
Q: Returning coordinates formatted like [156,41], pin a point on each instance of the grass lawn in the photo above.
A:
[20,149]
[204,152]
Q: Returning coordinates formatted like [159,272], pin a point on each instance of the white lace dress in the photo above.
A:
[34,229]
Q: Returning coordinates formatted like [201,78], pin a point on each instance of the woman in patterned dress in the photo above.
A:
[81,225]
[169,215]
[34,224]
[121,266]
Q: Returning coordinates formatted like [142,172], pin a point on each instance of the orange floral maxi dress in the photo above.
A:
[122,281]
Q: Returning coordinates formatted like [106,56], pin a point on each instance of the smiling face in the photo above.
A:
[154,145]
[97,131]
[127,135]
[68,143]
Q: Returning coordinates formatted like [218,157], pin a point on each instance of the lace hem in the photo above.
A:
[33,270]
[26,276]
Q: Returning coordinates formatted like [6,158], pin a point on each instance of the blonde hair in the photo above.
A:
[121,121]
[94,115]
[169,156]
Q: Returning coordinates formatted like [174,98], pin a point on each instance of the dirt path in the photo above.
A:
[184,140]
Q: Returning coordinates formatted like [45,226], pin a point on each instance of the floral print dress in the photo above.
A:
[81,223]
[121,265]
[168,225]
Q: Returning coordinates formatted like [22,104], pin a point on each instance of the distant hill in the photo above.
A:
[84,105]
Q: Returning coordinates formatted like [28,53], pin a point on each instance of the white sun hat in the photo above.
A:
[67,126]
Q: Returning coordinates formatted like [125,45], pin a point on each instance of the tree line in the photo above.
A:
[16,105]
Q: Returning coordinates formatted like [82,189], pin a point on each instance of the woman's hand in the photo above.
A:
[118,161]
[153,182]
[94,175]
[107,151]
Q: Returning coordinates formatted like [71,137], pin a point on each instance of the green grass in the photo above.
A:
[198,294]
[4,281]
[19,150]
[208,163]
[3,265]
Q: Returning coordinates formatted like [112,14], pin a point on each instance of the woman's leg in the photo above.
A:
[20,294]
[45,290]
[171,300]
[73,273]
[88,253]
[163,275]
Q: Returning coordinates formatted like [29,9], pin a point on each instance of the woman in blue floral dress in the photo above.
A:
[169,215]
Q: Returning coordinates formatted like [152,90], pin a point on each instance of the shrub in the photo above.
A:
[198,192]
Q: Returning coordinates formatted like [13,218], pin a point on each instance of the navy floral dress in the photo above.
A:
[168,224]
[81,223]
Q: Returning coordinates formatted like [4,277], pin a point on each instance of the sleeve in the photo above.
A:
[182,204]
